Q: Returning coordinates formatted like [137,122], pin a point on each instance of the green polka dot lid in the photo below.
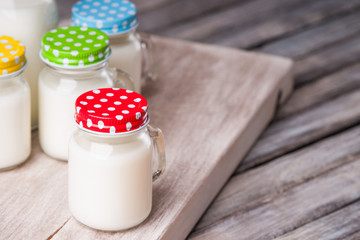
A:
[75,47]
[110,16]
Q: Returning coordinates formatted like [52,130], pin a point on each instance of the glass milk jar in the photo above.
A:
[15,125]
[110,159]
[118,19]
[29,20]
[76,61]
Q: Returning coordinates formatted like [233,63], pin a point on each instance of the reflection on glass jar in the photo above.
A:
[76,61]
[29,21]
[131,51]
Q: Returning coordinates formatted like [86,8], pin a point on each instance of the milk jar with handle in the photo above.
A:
[15,125]
[110,159]
[29,20]
[131,51]
[76,61]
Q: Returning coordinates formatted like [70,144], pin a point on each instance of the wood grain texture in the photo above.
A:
[301,44]
[299,130]
[253,186]
[342,224]
[145,6]
[33,197]
[275,216]
[354,236]
[210,110]
[285,22]
[217,23]
[169,14]
[328,60]
[64,8]
[321,91]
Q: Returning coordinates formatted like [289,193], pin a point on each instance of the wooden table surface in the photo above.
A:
[301,180]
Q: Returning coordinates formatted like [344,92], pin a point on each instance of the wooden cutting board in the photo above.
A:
[211,103]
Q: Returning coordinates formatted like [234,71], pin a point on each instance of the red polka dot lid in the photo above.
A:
[111,110]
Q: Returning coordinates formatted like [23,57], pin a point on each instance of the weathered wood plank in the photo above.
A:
[322,90]
[64,9]
[328,60]
[284,23]
[338,225]
[238,15]
[274,216]
[354,236]
[145,6]
[33,197]
[176,11]
[298,45]
[276,177]
[296,131]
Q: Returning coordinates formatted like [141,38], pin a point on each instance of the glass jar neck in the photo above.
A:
[79,71]
[12,75]
[122,36]
[114,138]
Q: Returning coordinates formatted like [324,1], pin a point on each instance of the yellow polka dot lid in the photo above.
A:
[12,55]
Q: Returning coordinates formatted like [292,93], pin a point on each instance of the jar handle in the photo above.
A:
[158,139]
[121,79]
[149,68]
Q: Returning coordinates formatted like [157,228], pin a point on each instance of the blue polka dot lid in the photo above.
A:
[110,16]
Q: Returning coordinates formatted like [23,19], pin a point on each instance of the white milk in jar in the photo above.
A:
[118,19]
[29,20]
[76,61]
[15,125]
[110,155]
